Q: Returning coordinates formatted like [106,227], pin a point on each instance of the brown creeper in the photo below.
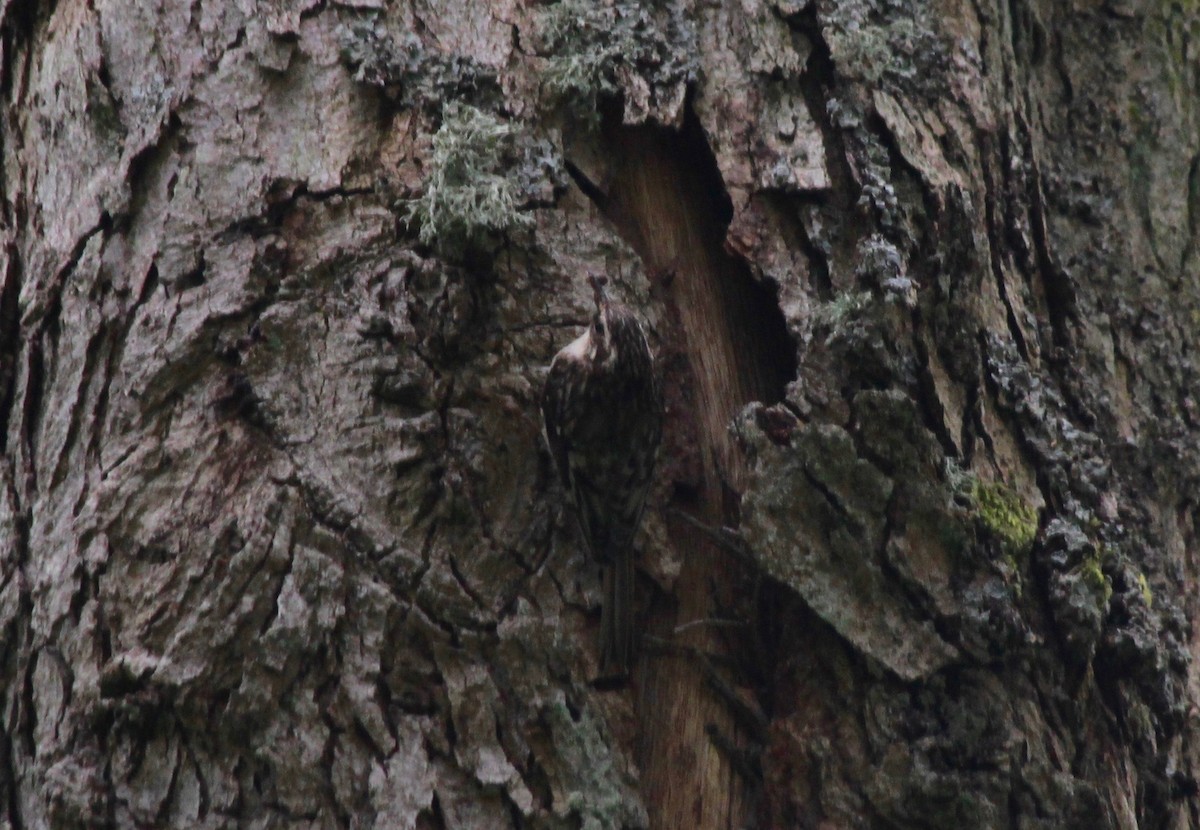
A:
[603,408]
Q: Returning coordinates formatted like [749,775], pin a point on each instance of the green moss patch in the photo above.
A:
[1006,515]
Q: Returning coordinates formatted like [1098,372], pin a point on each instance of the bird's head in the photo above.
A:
[603,321]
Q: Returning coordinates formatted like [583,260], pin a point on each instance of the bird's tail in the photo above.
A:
[616,618]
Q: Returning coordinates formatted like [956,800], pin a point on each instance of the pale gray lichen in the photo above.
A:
[584,48]
[881,263]
[885,48]
[409,72]
[471,195]
[836,314]
[593,49]
[588,788]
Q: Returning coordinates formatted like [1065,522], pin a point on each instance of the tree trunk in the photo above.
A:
[280,541]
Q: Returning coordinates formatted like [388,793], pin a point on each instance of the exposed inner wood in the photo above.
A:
[667,200]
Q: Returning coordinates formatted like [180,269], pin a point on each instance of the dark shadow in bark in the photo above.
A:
[724,343]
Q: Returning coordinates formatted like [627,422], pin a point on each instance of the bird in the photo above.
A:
[602,407]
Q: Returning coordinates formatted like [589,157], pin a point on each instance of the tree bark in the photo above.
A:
[280,542]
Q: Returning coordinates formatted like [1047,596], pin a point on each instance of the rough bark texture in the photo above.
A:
[279,540]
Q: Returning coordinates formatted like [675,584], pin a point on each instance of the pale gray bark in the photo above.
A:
[279,541]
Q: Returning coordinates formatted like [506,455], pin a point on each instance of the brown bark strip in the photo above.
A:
[667,200]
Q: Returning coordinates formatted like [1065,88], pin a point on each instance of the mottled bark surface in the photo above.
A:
[280,544]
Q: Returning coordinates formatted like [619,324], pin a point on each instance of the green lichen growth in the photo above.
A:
[1006,515]
[1010,572]
[1094,575]
[1144,587]
[471,193]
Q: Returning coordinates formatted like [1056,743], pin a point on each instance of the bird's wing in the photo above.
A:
[554,413]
